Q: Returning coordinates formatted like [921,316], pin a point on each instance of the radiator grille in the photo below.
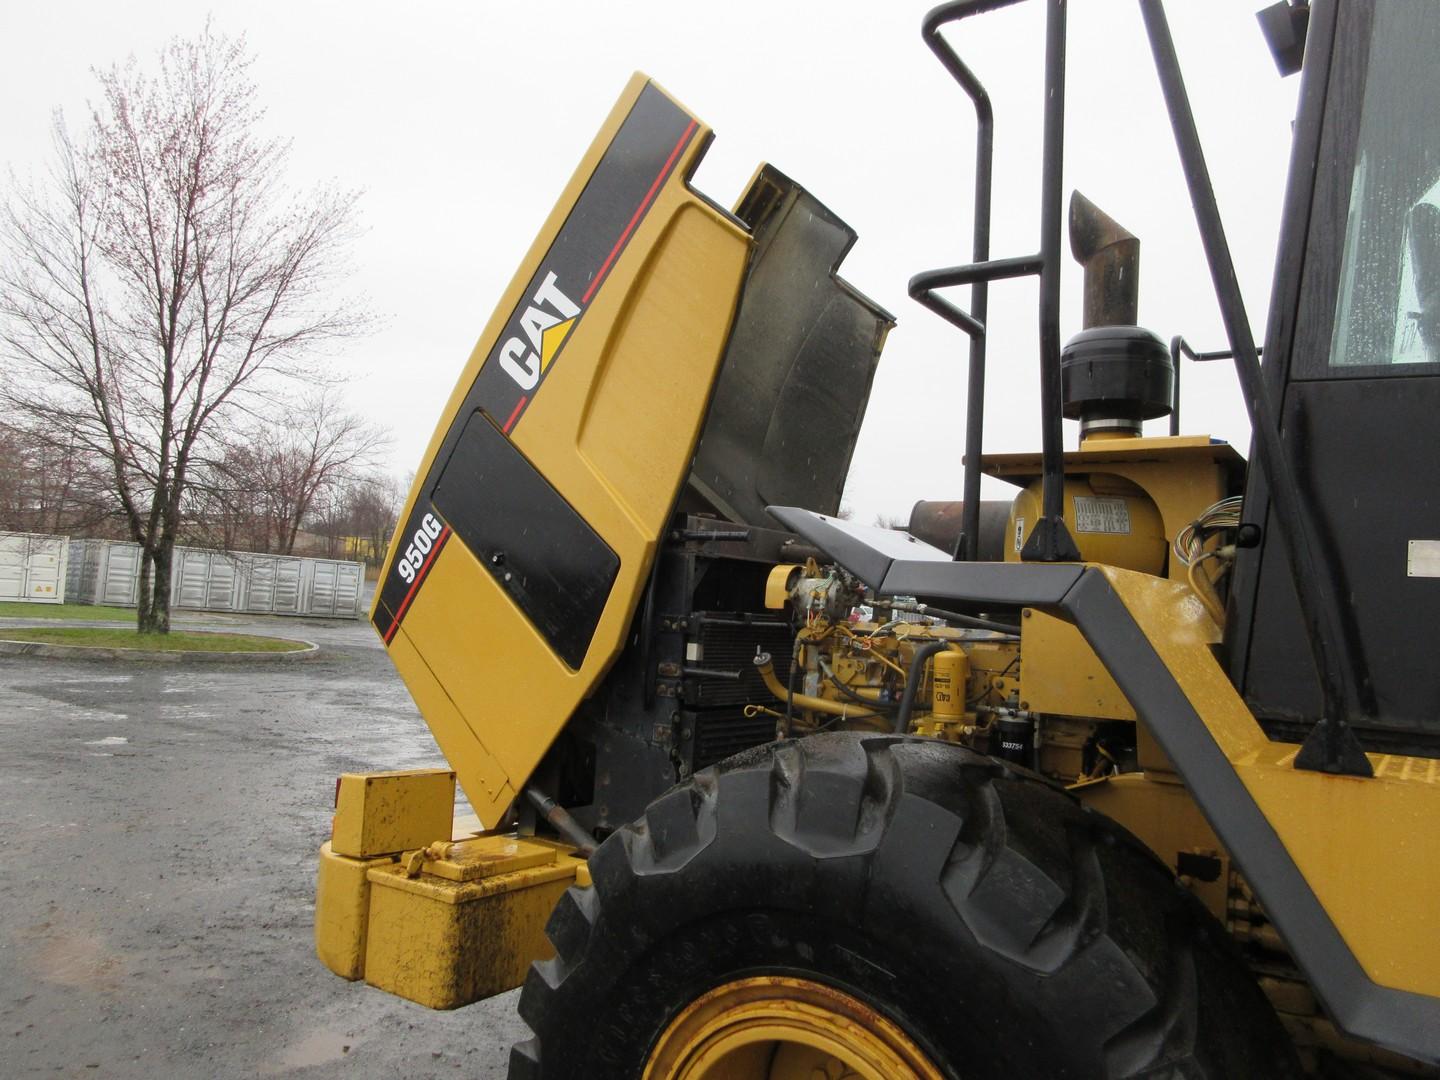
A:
[724,732]
[732,648]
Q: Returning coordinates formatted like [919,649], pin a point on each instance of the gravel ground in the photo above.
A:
[159,826]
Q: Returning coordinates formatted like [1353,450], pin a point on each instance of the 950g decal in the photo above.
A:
[421,546]
[412,565]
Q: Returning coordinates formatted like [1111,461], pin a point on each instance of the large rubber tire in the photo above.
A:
[1006,928]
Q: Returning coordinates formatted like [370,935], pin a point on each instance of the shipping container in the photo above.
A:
[202,579]
[32,568]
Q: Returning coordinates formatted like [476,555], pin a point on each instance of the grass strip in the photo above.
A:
[19,609]
[175,641]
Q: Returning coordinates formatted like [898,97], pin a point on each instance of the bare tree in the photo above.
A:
[329,521]
[51,485]
[162,280]
[324,449]
[373,508]
[356,520]
[272,476]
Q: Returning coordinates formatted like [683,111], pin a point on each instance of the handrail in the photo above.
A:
[1049,540]
[1180,347]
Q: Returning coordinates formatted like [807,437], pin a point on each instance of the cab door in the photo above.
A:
[1355,323]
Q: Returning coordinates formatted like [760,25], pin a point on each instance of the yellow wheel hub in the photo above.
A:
[778,1028]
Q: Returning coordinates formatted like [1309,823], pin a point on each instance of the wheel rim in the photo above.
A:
[774,1027]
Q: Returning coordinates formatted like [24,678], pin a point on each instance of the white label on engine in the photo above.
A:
[1095,515]
[1423,559]
[1019,533]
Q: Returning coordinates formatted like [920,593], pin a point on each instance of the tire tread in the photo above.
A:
[1017,867]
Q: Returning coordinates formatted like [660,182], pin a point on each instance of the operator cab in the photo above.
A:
[1352,355]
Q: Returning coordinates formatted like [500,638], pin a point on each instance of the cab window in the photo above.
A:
[1387,300]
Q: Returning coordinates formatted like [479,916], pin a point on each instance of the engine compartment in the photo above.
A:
[746,635]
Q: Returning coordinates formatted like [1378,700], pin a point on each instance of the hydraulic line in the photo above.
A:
[959,618]
[561,821]
[790,689]
[912,682]
[804,701]
[852,694]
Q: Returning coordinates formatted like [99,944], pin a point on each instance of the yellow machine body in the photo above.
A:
[527,587]
[1139,490]
[465,926]
[1062,675]
[1340,831]
[431,908]
[585,395]
[384,812]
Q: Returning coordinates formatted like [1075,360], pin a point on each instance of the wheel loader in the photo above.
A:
[1135,774]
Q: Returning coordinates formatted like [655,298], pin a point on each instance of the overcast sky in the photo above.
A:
[462,121]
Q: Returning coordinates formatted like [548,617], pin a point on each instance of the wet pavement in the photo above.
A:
[158,829]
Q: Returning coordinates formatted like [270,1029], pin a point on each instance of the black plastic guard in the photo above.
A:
[793,387]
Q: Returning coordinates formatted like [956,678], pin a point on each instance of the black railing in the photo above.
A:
[1049,540]
[1180,347]
[1334,642]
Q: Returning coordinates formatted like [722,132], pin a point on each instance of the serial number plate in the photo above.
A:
[1423,558]
[1096,515]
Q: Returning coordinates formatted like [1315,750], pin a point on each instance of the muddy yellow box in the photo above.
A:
[448,931]
[382,813]
[342,911]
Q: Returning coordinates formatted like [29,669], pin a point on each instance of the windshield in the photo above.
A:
[1388,304]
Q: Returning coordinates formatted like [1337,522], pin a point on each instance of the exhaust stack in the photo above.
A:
[1114,374]
[1110,254]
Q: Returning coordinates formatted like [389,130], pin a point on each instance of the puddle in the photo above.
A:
[317,1048]
[76,960]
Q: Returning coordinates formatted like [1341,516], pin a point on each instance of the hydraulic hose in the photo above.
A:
[853,695]
[790,690]
[975,621]
[561,821]
[913,681]
[959,618]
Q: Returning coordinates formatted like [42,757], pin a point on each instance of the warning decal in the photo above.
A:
[1101,515]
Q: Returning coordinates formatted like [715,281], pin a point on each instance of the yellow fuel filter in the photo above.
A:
[950,675]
